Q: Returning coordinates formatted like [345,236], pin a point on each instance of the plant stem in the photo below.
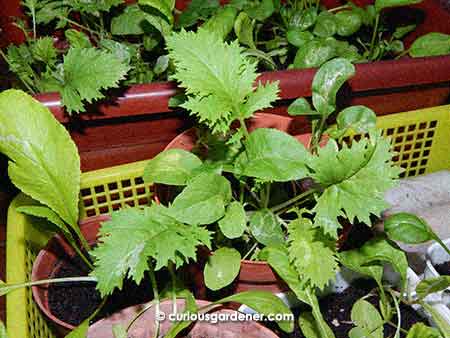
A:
[317,134]
[267,195]
[144,310]
[335,9]
[442,244]
[12,287]
[156,300]
[374,34]
[174,293]
[79,25]
[399,316]
[82,255]
[292,201]
[244,128]
[250,251]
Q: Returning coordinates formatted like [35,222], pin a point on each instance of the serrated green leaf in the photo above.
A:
[172,167]
[44,165]
[314,54]
[43,211]
[382,4]
[81,331]
[266,228]
[407,228]
[243,28]
[47,11]
[261,98]
[119,331]
[431,44]
[265,303]
[203,200]
[301,107]
[234,223]
[367,318]
[87,71]
[129,22]
[77,39]
[222,268]
[20,60]
[432,285]
[272,155]
[354,179]
[326,25]
[420,330]
[43,50]
[327,81]
[164,6]
[348,22]
[222,22]
[357,118]
[312,255]
[94,7]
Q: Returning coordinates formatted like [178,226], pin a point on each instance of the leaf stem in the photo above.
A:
[317,134]
[151,272]
[81,254]
[244,128]
[374,34]
[12,287]
[335,9]
[173,279]
[441,243]
[267,196]
[292,201]
[250,251]
[79,25]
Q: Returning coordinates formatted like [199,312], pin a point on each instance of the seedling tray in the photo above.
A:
[420,137]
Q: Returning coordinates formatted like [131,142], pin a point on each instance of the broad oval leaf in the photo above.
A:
[367,318]
[300,106]
[260,10]
[129,22]
[431,44]
[354,260]
[172,167]
[407,228]
[327,81]
[358,118]
[304,19]
[314,54]
[234,223]
[243,27]
[222,268]
[203,200]
[222,22]
[162,63]
[44,161]
[326,25]
[265,303]
[420,330]
[400,32]
[348,22]
[432,285]
[272,155]
[382,4]
[298,38]
[266,228]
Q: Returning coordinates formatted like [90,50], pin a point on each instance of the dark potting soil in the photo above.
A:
[444,268]
[74,302]
[336,310]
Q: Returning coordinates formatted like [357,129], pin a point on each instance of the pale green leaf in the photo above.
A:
[81,331]
[243,28]
[162,63]
[172,167]
[354,179]
[88,71]
[121,51]
[367,318]
[382,4]
[261,98]
[432,285]
[311,328]
[441,323]
[3,330]
[272,155]
[44,165]
[234,223]
[266,228]
[408,228]
[77,39]
[420,330]
[130,22]
[222,268]
[431,44]
[400,32]
[355,260]
[203,200]
[327,81]
[312,255]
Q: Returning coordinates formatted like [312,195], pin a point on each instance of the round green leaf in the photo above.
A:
[234,222]
[303,20]
[298,38]
[266,228]
[431,44]
[348,22]
[222,268]
[314,54]
[326,25]
[407,228]
[358,118]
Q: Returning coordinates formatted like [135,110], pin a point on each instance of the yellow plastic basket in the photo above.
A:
[421,139]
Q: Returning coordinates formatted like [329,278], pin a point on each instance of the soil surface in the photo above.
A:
[74,302]
[444,268]
[336,309]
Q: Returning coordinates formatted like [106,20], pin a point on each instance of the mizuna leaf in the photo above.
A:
[222,268]
[432,285]
[87,71]
[172,167]
[327,81]
[44,50]
[272,155]
[234,223]
[203,200]
[354,179]
[44,161]
[261,98]
[312,255]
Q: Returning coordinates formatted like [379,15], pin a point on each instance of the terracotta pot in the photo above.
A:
[144,326]
[50,259]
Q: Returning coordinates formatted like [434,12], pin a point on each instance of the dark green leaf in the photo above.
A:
[198,10]
[357,118]
[327,81]
[164,6]
[298,38]
[348,22]
[129,22]
[326,25]
[234,223]
[43,50]
[222,268]
[303,20]
[243,28]
[203,200]
[431,44]
[172,167]
[432,285]
[260,10]
[382,4]
[400,32]
[407,228]
[301,106]
[354,260]
[266,228]
[272,155]
[264,303]
[314,54]
[222,22]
